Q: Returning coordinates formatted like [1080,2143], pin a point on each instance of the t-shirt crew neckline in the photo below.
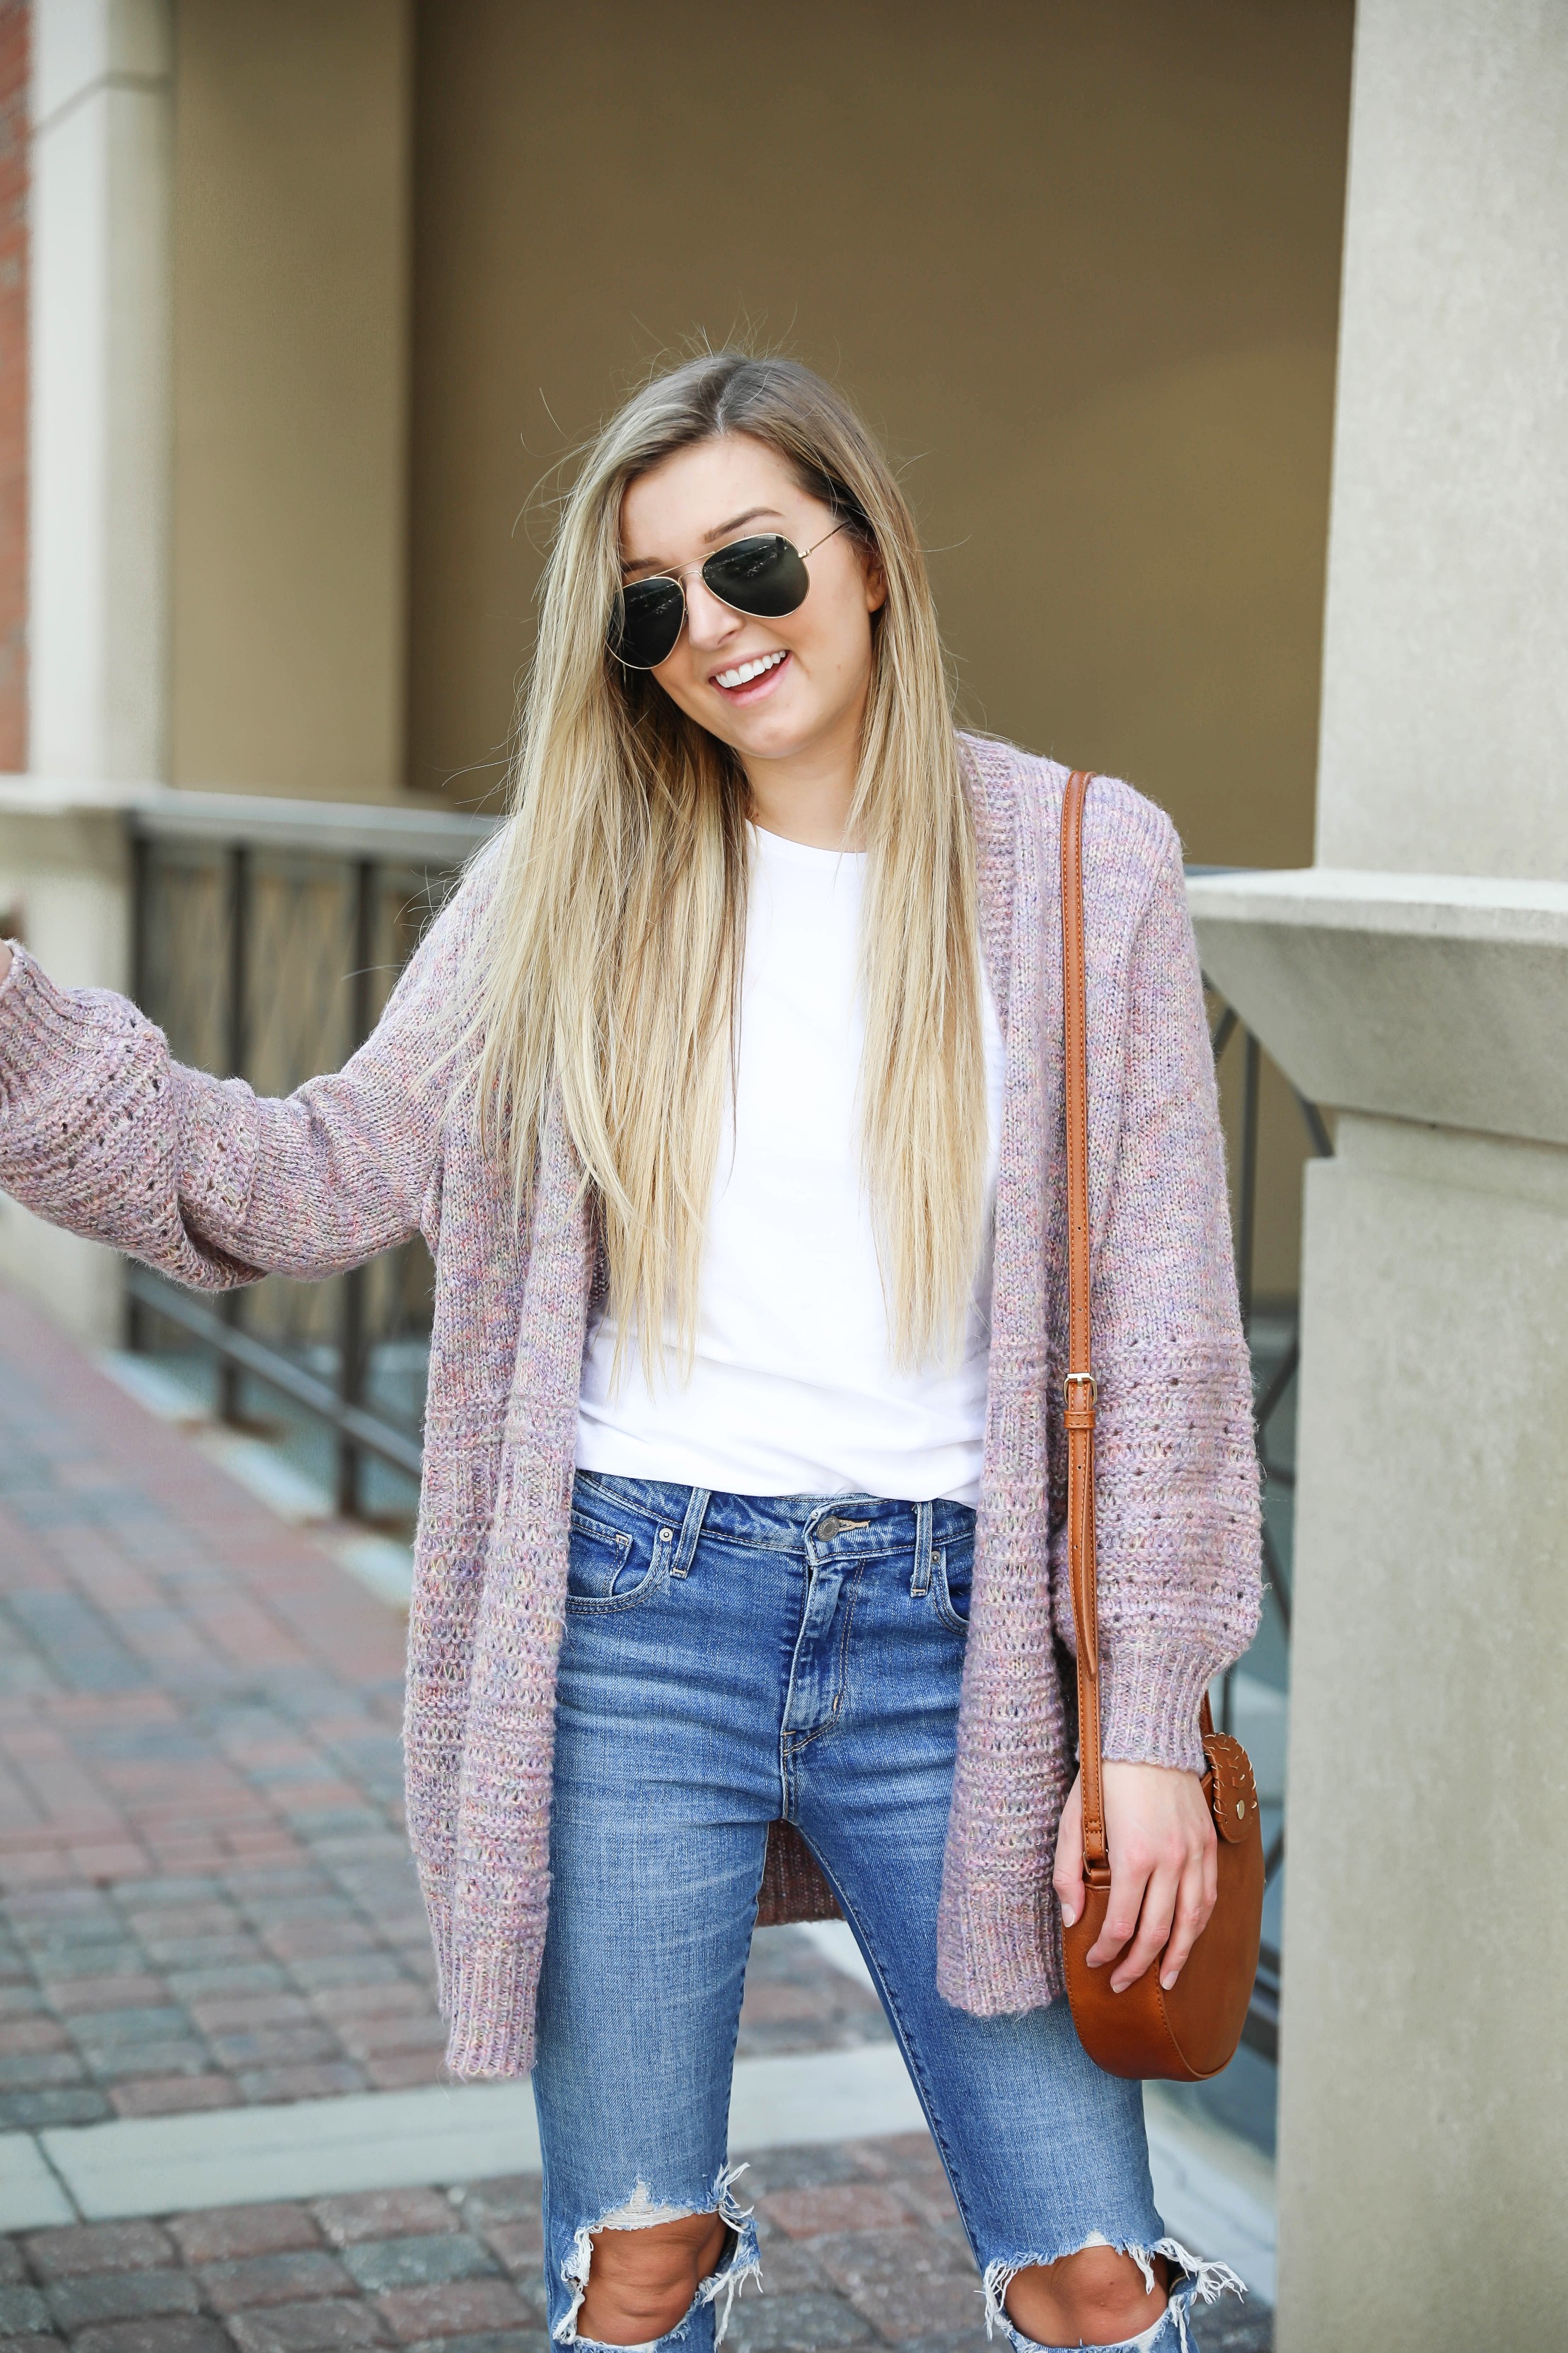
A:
[788,851]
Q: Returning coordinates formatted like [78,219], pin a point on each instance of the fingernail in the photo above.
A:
[1068,1916]
[1119,1985]
[1170,1981]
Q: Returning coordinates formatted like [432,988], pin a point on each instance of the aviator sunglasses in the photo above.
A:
[765,576]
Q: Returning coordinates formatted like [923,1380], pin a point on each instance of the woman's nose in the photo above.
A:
[710,622]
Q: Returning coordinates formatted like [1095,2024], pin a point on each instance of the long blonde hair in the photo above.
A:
[613,959]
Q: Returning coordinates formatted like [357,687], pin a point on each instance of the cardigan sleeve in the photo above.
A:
[103,1133]
[1176,1478]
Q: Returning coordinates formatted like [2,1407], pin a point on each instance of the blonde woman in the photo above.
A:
[727,1093]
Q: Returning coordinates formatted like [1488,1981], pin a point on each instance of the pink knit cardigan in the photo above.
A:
[100,1132]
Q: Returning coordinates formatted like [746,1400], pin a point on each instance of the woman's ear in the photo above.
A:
[875,577]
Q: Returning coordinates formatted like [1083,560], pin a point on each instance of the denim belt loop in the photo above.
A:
[920,1582]
[691,1529]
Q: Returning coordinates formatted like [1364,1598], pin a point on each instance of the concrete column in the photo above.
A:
[1417,979]
[100,438]
[102,114]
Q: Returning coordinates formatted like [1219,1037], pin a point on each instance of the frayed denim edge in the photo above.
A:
[1203,2282]
[643,2211]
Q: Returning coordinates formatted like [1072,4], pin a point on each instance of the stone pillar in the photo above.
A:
[101,341]
[100,437]
[1416,978]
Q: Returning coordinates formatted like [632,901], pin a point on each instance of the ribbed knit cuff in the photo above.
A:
[492,1990]
[220,1141]
[1150,1696]
[996,1948]
[39,1024]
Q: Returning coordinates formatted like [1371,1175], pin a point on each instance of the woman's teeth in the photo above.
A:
[744,672]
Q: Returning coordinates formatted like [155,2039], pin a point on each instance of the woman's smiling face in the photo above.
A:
[773,690]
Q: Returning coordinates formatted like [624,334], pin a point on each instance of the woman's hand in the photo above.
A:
[5,960]
[1163,1875]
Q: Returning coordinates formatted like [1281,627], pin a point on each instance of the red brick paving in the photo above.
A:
[207,1888]
[205,1895]
[849,2261]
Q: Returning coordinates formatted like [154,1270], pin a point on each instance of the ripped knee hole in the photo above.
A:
[656,2262]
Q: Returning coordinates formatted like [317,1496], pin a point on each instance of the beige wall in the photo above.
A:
[290,381]
[1078,261]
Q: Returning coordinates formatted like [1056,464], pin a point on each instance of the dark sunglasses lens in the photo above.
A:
[645,622]
[763,576]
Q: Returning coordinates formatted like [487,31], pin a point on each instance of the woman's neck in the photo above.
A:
[807,798]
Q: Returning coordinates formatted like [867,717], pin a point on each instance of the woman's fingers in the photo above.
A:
[1164,1874]
[1127,1882]
[1067,1877]
[1153,1926]
[1194,1902]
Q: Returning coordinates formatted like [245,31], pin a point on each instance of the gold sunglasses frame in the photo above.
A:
[679,580]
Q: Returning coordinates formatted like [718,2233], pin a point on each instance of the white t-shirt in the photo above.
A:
[792,1391]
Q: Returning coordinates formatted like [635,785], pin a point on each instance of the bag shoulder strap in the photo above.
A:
[1079,1395]
[1080,1399]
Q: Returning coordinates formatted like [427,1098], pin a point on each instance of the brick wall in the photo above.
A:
[16,26]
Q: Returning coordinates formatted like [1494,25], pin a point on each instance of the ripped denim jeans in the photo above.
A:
[729,1661]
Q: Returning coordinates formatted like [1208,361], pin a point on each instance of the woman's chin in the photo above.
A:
[770,742]
[771,730]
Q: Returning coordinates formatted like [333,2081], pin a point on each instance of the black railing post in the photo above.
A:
[352,1330]
[229,1378]
[1262,2028]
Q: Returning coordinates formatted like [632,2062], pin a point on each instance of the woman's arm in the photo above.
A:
[100,1131]
[1176,1483]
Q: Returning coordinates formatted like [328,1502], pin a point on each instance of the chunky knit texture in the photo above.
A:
[100,1132]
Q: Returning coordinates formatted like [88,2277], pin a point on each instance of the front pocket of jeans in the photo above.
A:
[609,1567]
[953,1573]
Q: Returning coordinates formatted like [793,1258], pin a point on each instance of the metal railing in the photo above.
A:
[267,936]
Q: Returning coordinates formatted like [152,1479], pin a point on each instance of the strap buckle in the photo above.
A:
[1086,1379]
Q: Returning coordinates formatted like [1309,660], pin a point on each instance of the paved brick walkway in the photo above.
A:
[205,1900]
[207,1895]
[860,2244]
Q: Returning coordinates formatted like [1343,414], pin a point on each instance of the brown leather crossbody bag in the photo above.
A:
[1191,2030]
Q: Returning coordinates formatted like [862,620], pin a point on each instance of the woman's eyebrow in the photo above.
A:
[752,514]
[721,530]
